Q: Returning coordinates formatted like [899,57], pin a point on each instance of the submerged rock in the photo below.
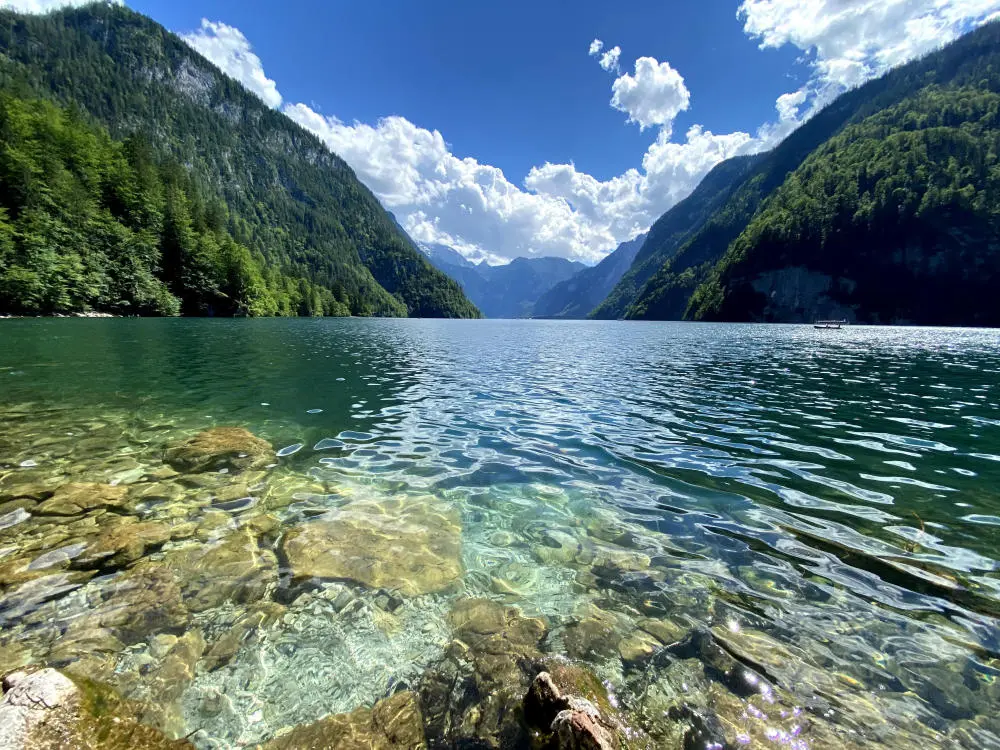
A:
[232,448]
[233,568]
[637,646]
[242,631]
[596,633]
[568,720]
[392,724]
[161,687]
[472,697]
[46,710]
[408,545]
[143,600]
[124,543]
[78,497]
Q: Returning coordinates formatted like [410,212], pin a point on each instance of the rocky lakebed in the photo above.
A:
[174,585]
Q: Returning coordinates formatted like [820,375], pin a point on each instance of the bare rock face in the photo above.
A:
[411,545]
[45,710]
[31,701]
[232,448]
[580,728]
[78,497]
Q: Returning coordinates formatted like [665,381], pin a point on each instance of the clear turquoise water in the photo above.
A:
[836,490]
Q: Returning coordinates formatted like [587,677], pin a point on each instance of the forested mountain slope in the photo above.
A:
[583,291]
[973,60]
[895,220]
[671,230]
[88,223]
[298,209]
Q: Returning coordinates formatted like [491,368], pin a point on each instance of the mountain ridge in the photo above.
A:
[578,295]
[685,260]
[290,199]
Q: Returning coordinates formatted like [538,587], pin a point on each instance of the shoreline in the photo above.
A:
[4,316]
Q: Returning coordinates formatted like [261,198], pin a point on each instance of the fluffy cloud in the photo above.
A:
[609,60]
[439,196]
[851,41]
[474,208]
[231,51]
[654,95]
[558,210]
[42,6]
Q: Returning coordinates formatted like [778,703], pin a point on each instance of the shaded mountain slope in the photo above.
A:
[578,295]
[895,220]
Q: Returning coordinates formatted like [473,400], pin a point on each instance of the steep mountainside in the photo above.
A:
[443,255]
[578,295]
[671,230]
[970,61]
[88,223]
[292,203]
[508,291]
[897,219]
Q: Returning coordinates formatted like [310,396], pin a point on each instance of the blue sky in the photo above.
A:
[509,83]
[492,128]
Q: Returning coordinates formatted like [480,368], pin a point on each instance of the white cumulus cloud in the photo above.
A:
[230,50]
[609,60]
[851,41]
[558,209]
[654,95]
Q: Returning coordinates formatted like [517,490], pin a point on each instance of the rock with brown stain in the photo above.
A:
[232,448]
[79,497]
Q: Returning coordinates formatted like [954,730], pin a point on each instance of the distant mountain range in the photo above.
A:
[503,291]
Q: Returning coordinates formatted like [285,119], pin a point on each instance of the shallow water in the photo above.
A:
[827,502]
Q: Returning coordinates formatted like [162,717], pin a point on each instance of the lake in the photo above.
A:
[785,534]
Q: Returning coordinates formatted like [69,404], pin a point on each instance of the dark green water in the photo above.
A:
[827,501]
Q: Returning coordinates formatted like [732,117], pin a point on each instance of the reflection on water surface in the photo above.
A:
[785,537]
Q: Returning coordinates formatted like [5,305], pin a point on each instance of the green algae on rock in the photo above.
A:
[45,710]
[232,448]
[409,545]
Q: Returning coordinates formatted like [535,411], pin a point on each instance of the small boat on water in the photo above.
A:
[829,324]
